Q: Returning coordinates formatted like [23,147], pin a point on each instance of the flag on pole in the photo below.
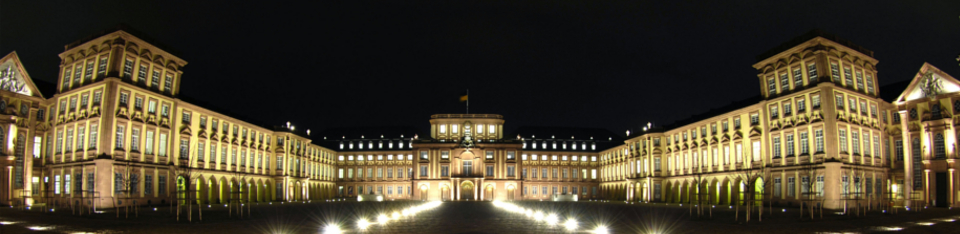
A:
[463,97]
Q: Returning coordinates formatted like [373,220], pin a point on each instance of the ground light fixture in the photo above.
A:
[363,224]
[549,218]
[570,224]
[601,230]
[332,229]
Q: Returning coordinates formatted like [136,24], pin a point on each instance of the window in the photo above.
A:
[155,80]
[835,72]
[856,141]
[511,155]
[489,169]
[789,145]
[736,123]
[899,149]
[141,73]
[771,86]
[847,76]
[445,155]
[69,145]
[186,117]
[135,139]
[776,187]
[593,174]
[756,151]
[870,84]
[66,78]
[93,136]
[786,109]
[545,173]
[866,143]
[938,147]
[754,119]
[443,128]
[860,81]
[812,72]
[165,111]
[846,184]
[162,185]
[820,186]
[805,185]
[791,187]
[804,144]
[168,84]
[76,77]
[815,101]
[102,66]
[784,81]
[56,186]
[840,101]
[444,170]
[797,78]
[776,147]
[184,148]
[489,155]
[128,68]
[120,139]
[162,147]
[148,184]
[479,128]
[853,105]
[818,137]
[152,107]
[843,140]
[493,128]
[533,172]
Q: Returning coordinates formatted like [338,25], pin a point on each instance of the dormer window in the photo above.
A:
[544,144]
[390,144]
[554,145]
[380,145]
[534,144]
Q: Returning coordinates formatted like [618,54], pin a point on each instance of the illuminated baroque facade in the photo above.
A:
[116,130]
[819,132]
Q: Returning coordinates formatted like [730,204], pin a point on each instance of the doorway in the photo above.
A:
[466,190]
[941,199]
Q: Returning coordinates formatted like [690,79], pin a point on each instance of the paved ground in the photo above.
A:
[474,217]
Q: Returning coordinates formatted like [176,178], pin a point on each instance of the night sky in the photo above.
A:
[613,65]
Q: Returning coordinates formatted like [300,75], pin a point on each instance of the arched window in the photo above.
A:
[938,147]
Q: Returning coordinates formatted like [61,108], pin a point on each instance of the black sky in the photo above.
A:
[612,65]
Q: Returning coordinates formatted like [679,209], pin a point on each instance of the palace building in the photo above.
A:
[115,131]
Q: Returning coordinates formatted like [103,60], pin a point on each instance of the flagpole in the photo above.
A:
[468,101]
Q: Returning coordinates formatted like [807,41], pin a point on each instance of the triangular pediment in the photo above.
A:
[929,81]
[14,78]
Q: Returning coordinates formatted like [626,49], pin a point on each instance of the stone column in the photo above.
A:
[907,185]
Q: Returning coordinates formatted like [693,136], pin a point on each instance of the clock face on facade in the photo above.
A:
[913,113]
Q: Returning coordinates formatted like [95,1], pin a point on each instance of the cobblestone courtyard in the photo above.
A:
[472,217]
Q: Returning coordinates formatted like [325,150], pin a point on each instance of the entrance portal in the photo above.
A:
[466,190]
